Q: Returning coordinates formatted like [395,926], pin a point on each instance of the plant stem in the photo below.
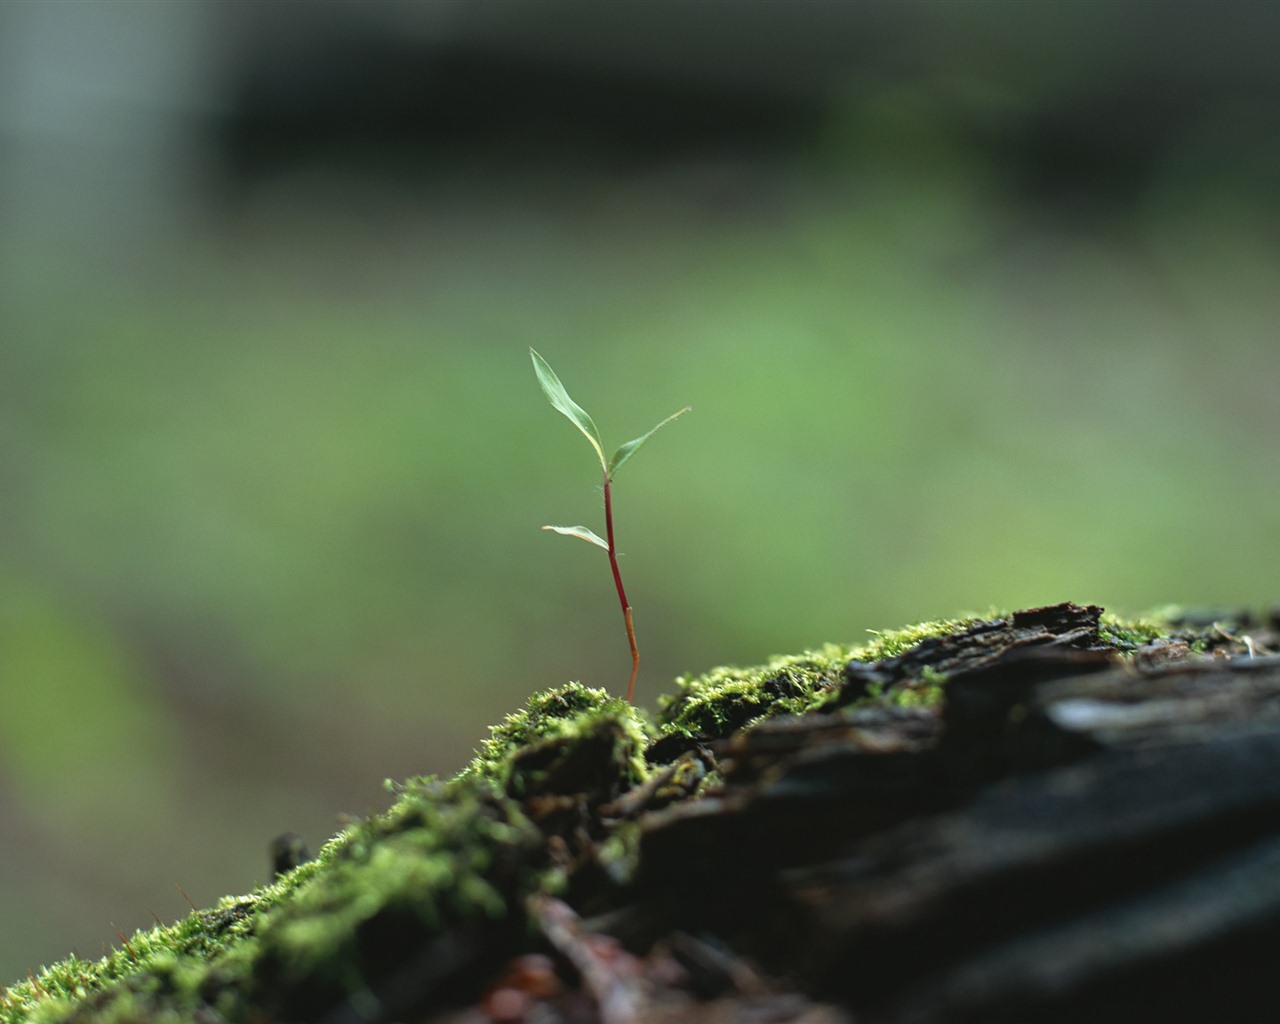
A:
[617,582]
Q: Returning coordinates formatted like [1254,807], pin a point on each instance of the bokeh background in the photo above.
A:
[976,304]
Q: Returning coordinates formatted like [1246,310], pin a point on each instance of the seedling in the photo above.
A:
[559,398]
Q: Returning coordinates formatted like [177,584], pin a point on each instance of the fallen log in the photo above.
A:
[1070,835]
[1041,816]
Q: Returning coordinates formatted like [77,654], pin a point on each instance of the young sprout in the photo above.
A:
[560,399]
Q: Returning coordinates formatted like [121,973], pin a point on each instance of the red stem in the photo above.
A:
[617,582]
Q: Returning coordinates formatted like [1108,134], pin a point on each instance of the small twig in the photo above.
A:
[1250,644]
[609,973]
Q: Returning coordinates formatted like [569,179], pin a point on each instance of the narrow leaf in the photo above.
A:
[625,451]
[559,398]
[579,531]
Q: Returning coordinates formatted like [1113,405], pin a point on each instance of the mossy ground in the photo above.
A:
[446,855]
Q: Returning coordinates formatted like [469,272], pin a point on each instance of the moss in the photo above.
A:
[445,855]
[561,714]
[922,693]
[1129,633]
[890,643]
[717,703]
[176,952]
[458,857]
[1202,631]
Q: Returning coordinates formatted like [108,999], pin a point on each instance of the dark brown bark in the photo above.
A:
[1071,835]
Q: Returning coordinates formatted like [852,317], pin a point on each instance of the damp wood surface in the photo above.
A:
[1045,815]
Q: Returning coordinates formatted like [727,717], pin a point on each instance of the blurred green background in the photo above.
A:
[975,304]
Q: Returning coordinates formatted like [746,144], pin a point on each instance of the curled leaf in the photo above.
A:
[579,531]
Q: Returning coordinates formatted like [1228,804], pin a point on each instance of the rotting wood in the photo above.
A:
[1071,836]
[1081,829]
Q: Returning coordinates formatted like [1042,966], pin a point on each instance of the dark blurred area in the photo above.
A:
[454,106]
[628,91]
[976,305]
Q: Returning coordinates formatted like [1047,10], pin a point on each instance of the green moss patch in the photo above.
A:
[558,717]
[719,702]
[449,864]
[713,705]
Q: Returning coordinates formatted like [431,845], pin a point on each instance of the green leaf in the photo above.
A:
[559,398]
[627,450]
[579,531]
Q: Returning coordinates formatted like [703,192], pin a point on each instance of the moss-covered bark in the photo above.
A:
[423,907]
